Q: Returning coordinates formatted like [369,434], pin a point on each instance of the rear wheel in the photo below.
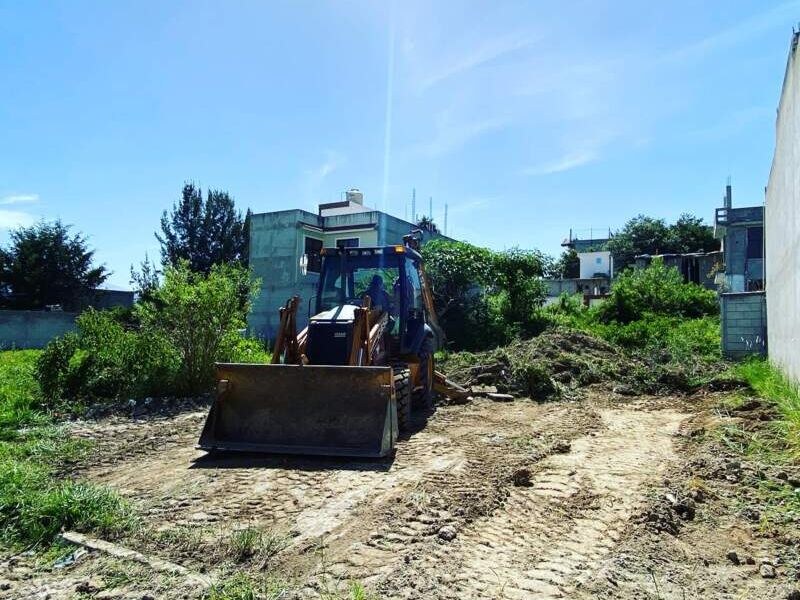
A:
[424,396]
[402,392]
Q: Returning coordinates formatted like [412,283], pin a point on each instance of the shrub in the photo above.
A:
[238,349]
[196,314]
[104,360]
[659,290]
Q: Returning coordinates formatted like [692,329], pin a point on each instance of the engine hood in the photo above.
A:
[340,314]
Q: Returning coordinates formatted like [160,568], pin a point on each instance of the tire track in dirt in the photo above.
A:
[549,536]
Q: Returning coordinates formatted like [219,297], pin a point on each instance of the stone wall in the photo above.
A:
[744,324]
[21,329]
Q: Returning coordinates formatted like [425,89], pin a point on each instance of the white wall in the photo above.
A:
[350,209]
[782,228]
[594,262]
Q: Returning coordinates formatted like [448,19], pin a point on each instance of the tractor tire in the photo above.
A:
[402,391]
[424,396]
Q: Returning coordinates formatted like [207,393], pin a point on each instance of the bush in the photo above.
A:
[237,349]
[197,313]
[658,290]
[104,360]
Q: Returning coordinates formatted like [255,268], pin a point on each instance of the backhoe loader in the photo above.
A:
[346,385]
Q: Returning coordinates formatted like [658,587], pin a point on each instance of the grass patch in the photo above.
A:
[34,505]
[253,544]
[19,392]
[771,384]
[244,587]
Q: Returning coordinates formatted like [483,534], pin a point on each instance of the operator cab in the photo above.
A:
[389,275]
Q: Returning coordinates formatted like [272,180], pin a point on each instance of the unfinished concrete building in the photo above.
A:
[743,306]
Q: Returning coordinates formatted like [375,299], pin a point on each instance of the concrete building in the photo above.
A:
[741,280]
[695,267]
[782,222]
[594,264]
[741,232]
[285,251]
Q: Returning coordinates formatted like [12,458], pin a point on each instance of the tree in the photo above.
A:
[646,235]
[426,224]
[517,278]
[690,234]
[568,266]
[641,235]
[197,314]
[45,265]
[203,232]
[146,280]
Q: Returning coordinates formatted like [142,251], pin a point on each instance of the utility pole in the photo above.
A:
[445,218]
[414,205]
[430,208]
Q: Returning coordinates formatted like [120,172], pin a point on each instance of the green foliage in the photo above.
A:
[18,392]
[646,235]
[104,360]
[656,289]
[244,587]
[45,265]
[237,349]
[459,273]
[196,314]
[34,507]
[520,289]
[484,298]
[568,266]
[203,232]
[770,383]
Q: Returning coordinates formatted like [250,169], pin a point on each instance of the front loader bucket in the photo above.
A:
[328,410]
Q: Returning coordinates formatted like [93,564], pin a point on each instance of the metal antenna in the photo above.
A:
[430,208]
[445,218]
[413,205]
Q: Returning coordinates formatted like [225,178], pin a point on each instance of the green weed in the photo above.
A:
[772,385]
[253,543]
[244,587]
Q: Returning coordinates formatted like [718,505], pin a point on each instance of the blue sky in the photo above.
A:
[527,118]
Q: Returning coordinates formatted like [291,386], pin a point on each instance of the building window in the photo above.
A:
[313,256]
[347,243]
[755,242]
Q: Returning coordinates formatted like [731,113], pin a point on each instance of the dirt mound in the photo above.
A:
[554,364]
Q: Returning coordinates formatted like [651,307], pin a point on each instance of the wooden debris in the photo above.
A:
[158,564]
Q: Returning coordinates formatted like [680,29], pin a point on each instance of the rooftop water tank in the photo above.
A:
[355,195]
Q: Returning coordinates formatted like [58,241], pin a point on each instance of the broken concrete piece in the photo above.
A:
[501,397]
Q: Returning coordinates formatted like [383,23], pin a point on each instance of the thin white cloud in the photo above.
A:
[19,199]
[332,162]
[781,15]
[450,137]
[486,52]
[567,162]
[471,205]
[11,219]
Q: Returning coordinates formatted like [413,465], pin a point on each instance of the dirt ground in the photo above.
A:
[608,497]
